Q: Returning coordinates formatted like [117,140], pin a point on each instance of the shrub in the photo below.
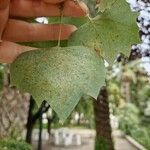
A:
[11,144]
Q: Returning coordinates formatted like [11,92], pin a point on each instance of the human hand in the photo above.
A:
[14,30]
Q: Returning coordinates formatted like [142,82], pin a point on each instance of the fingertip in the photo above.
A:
[73,28]
[66,31]
[69,30]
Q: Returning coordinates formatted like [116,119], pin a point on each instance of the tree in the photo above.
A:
[13,109]
[102,122]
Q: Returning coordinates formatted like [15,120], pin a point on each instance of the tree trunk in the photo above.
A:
[13,109]
[32,118]
[30,123]
[103,139]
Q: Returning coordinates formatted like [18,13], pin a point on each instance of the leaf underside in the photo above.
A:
[105,4]
[111,33]
[59,75]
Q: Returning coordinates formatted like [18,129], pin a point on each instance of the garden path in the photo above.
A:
[88,142]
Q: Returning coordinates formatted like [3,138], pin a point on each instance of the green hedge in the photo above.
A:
[11,144]
[142,135]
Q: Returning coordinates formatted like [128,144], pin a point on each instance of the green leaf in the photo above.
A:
[92,7]
[112,32]
[105,4]
[77,21]
[44,44]
[59,75]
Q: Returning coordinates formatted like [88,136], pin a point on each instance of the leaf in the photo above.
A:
[59,75]
[77,21]
[112,32]
[105,4]
[91,4]
[44,44]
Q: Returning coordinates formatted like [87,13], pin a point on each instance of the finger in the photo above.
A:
[27,8]
[9,51]
[4,3]
[4,12]
[20,31]
[75,8]
[53,1]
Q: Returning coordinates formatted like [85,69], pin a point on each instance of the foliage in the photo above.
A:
[110,33]
[103,5]
[144,101]
[45,44]
[92,7]
[134,116]
[85,109]
[144,93]
[11,144]
[85,106]
[128,122]
[138,80]
[114,94]
[68,20]
[65,79]
[63,75]
[142,135]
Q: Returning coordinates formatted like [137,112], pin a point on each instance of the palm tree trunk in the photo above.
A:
[103,139]
[13,109]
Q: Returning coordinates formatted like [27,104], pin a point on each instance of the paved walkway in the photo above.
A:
[88,142]
[122,144]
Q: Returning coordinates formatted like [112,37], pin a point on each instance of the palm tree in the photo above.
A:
[13,109]
[103,139]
